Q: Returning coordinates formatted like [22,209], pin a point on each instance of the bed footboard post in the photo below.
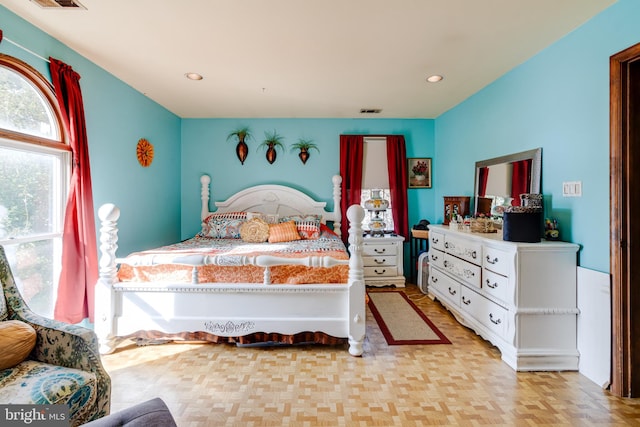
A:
[357,314]
[104,293]
[337,209]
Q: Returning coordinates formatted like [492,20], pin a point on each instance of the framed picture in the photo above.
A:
[419,172]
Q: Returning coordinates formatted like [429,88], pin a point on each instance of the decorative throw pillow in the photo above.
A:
[223,225]
[283,232]
[308,225]
[255,230]
[17,339]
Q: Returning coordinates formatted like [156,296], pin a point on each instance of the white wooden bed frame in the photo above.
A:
[123,309]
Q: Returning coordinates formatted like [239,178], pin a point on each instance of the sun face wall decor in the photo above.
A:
[144,151]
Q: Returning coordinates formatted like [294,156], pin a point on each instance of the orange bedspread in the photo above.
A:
[158,265]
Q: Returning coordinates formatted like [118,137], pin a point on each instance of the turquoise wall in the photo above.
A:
[205,150]
[557,100]
[117,117]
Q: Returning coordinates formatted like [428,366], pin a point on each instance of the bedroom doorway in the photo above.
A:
[625,229]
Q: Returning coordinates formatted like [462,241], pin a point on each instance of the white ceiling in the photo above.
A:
[322,59]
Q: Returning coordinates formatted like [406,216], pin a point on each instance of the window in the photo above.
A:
[34,171]
[375,176]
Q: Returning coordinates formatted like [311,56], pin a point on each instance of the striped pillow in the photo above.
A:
[308,225]
[283,232]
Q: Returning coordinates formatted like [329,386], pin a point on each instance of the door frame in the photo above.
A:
[624,304]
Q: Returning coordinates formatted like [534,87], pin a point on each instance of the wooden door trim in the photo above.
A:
[621,355]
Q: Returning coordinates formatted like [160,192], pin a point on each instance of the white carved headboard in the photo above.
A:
[275,199]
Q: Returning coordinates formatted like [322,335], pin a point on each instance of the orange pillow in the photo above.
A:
[17,339]
[283,232]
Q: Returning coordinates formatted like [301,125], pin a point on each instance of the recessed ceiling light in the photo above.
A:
[434,79]
[193,76]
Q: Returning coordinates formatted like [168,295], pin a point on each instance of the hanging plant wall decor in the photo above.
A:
[305,146]
[242,134]
[272,141]
[144,152]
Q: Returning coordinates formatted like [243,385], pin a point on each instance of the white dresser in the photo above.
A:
[383,261]
[519,296]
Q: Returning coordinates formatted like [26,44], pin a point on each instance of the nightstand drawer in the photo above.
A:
[379,249]
[380,260]
[381,271]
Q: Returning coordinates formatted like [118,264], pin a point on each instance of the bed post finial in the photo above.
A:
[337,210]
[205,180]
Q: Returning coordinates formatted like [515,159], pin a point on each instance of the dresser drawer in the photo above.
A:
[379,249]
[498,261]
[468,250]
[464,270]
[436,240]
[493,317]
[496,286]
[381,271]
[436,258]
[380,260]
[444,287]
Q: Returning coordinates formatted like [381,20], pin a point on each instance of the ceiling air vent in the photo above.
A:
[58,4]
[370,110]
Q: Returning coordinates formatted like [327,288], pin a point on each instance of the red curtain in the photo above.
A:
[79,248]
[351,157]
[397,167]
[520,180]
[483,178]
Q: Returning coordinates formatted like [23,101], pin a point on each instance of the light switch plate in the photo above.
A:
[572,189]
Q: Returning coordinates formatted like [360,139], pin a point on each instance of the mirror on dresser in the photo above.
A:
[500,181]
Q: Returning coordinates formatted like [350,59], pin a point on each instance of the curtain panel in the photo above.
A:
[79,272]
[351,161]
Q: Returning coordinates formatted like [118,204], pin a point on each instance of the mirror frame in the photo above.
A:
[536,170]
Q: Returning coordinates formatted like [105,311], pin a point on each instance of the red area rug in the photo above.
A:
[401,321]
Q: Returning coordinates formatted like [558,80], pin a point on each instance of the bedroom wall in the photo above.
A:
[205,149]
[557,100]
[117,117]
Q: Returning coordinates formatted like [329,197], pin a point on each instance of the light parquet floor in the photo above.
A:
[462,384]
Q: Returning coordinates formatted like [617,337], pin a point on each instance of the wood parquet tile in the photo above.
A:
[462,384]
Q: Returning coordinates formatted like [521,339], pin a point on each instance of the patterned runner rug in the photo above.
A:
[401,321]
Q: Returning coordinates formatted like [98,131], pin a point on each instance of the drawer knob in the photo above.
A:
[466,301]
[380,272]
[452,291]
[492,261]
[494,321]
[379,251]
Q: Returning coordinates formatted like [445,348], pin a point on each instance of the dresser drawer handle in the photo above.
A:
[434,257]
[474,254]
[466,301]
[379,251]
[492,261]
[380,272]
[378,261]
[434,240]
[434,279]
[496,321]
[446,245]
[492,285]
[446,264]
[452,291]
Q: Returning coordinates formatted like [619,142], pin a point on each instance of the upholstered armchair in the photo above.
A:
[63,367]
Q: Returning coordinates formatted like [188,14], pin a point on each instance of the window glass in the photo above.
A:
[23,108]
[34,176]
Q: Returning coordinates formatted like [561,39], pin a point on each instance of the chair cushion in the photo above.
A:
[17,339]
[33,382]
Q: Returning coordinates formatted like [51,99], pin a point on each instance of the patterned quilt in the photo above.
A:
[224,258]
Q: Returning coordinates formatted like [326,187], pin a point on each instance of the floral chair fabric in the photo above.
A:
[64,366]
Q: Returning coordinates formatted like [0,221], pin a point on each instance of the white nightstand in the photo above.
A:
[383,261]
